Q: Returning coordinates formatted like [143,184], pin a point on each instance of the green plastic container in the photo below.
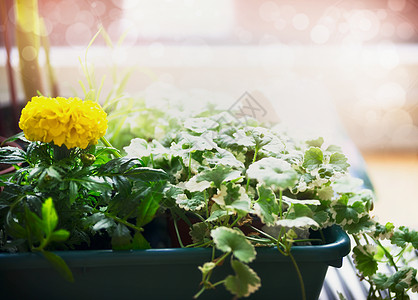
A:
[165,273]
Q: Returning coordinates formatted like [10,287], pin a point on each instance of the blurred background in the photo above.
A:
[342,69]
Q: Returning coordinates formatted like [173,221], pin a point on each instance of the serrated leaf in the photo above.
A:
[325,193]
[230,240]
[266,206]
[299,222]
[364,224]
[301,201]
[59,264]
[193,186]
[218,175]
[200,125]
[273,172]
[12,155]
[364,259]
[313,158]
[245,281]
[223,157]
[217,214]
[405,235]
[339,160]
[194,202]
[316,142]
[233,196]
[199,232]
[398,282]
[189,143]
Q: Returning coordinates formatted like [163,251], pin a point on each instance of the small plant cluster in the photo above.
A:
[241,185]
[71,198]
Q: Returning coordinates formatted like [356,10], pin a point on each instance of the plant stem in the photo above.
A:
[263,233]
[254,159]
[302,285]
[178,234]
[281,203]
[119,220]
[107,144]
[388,255]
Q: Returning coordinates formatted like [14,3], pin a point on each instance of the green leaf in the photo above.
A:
[339,160]
[266,206]
[245,281]
[273,172]
[200,125]
[49,216]
[12,155]
[230,240]
[313,158]
[380,280]
[199,232]
[217,214]
[72,191]
[223,157]
[233,196]
[60,235]
[121,238]
[218,175]
[405,235]
[191,143]
[398,282]
[316,143]
[146,174]
[149,204]
[364,259]
[139,242]
[194,202]
[299,222]
[347,184]
[59,264]
[346,213]
[364,224]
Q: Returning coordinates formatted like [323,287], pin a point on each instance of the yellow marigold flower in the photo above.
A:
[72,122]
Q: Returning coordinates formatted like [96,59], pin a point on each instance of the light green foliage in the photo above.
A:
[227,174]
[245,281]
[364,259]
[230,240]
[273,172]
[405,235]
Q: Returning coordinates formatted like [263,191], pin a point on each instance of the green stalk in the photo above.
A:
[254,159]
[107,144]
[178,234]
[302,285]
[388,255]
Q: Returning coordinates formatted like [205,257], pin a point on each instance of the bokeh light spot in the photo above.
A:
[78,34]
[29,53]
[300,21]
[320,34]
[269,11]
[390,95]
